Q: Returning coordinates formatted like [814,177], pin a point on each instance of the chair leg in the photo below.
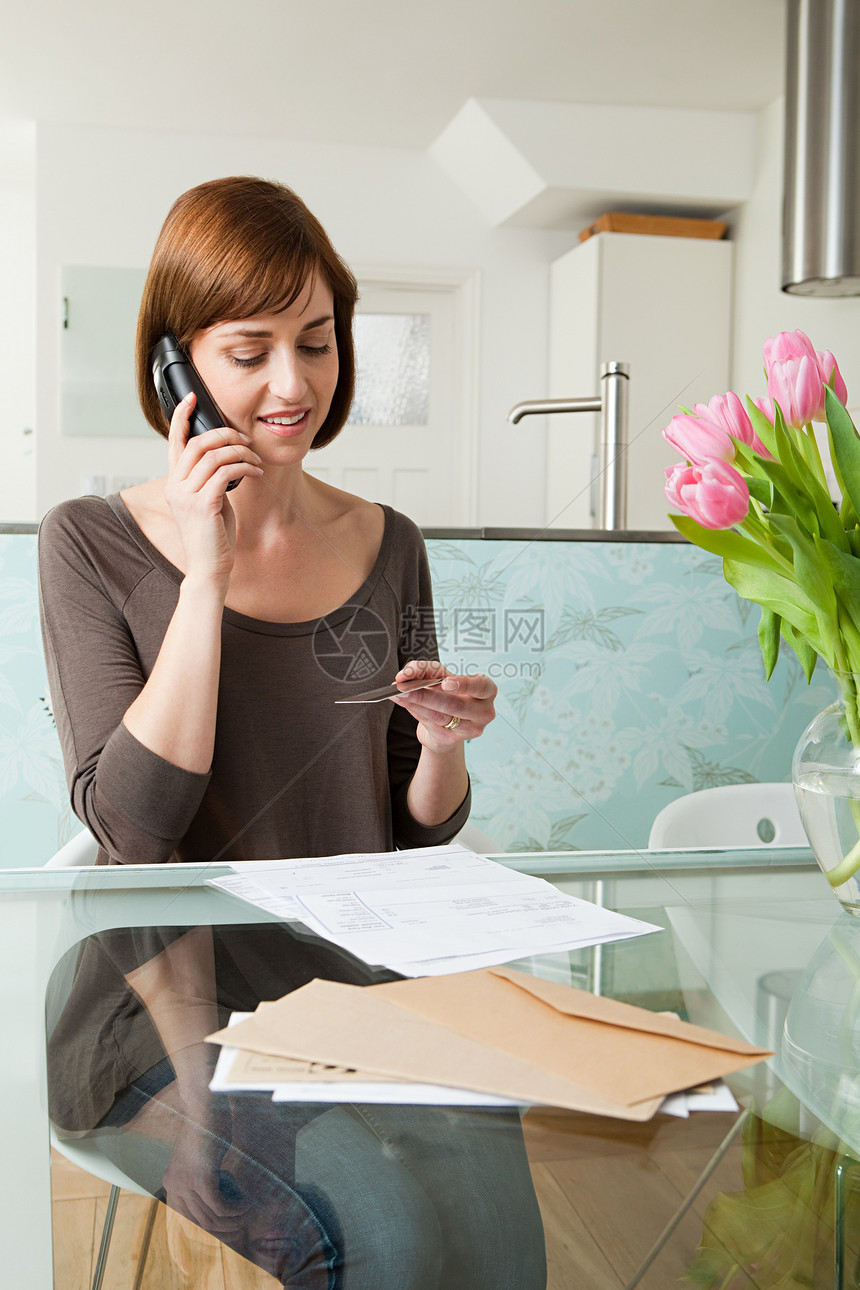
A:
[144,1246]
[688,1201]
[107,1231]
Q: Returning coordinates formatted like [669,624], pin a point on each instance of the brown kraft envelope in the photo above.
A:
[497,1031]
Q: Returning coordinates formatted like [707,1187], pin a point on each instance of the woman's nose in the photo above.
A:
[288,379]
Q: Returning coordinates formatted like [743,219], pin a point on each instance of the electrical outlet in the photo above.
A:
[93,485]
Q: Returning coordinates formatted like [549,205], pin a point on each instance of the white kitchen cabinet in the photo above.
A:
[660,304]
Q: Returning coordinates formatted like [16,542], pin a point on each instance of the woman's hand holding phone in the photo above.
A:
[200,469]
[173,716]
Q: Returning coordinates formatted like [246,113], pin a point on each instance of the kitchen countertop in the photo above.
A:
[553,535]
[498,534]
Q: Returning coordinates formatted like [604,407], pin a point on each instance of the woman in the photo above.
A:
[198,630]
[201,609]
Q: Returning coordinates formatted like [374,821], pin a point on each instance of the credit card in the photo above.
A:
[391,691]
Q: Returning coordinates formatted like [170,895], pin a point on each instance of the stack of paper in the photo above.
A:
[501,1034]
[239,1070]
[428,911]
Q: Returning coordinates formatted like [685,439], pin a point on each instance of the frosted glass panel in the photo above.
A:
[97,389]
[393,377]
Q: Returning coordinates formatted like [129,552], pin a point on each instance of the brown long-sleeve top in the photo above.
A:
[293,774]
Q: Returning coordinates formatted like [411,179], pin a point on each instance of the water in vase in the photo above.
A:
[829,803]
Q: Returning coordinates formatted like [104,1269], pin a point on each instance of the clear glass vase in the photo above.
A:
[826,776]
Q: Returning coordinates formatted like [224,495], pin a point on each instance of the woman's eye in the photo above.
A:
[317,349]
[247,362]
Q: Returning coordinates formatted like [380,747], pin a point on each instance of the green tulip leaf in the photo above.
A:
[783,596]
[787,451]
[812,576]
[847,515]
[768,639]
[761,425]
[847,511]
[762,491]
[726,543]
[850,641]
[843,571]
[803,493]
[746,460]
[846,447]
[807,656]
[789,498]
[831,525]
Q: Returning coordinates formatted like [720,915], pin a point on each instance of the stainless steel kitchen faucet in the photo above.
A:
[612,448]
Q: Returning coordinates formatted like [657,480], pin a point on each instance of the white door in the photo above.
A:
[406,443]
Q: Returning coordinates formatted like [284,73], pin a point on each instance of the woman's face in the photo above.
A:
[273,375]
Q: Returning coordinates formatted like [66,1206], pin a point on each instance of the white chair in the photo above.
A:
[79,852]
[84,1153]
[733,815]
[472,837]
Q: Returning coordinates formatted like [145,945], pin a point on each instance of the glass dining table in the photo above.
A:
[752,943]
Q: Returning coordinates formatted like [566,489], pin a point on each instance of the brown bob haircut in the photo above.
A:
[230,249]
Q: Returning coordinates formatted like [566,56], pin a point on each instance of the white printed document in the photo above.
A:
[429,911]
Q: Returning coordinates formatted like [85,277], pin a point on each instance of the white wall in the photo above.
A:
[381,206]
[17,320]
[761,309]
[101,196]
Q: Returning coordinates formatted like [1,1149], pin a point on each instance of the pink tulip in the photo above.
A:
[797,375]
[766,406]
[714,495]
[831,375]
[699,440]
[797,387]
[786,347]
[728,413]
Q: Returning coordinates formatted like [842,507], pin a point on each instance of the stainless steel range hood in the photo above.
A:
[821,214]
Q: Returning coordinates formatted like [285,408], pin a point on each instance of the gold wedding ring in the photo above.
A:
[452,724]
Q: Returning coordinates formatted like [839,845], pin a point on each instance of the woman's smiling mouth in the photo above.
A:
[286,426]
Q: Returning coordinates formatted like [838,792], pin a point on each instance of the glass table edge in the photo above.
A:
[548,864]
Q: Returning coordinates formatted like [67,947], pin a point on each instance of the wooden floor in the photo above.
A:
[181,1256]
[606,1189]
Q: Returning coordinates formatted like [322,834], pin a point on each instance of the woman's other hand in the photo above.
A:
[200,468]
[448,714]
[192,1183]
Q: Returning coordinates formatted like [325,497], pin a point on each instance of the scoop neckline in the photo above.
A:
[264,626]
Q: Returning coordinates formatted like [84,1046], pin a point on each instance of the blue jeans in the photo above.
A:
[365,1197]
[323,1197]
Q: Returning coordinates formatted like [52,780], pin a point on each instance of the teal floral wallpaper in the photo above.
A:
[628,674]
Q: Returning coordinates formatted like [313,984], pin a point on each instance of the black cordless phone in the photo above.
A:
[175,376]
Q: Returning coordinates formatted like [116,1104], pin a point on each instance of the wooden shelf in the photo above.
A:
[654,226]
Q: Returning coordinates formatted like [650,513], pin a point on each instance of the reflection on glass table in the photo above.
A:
[819,1057]
[621,1204]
